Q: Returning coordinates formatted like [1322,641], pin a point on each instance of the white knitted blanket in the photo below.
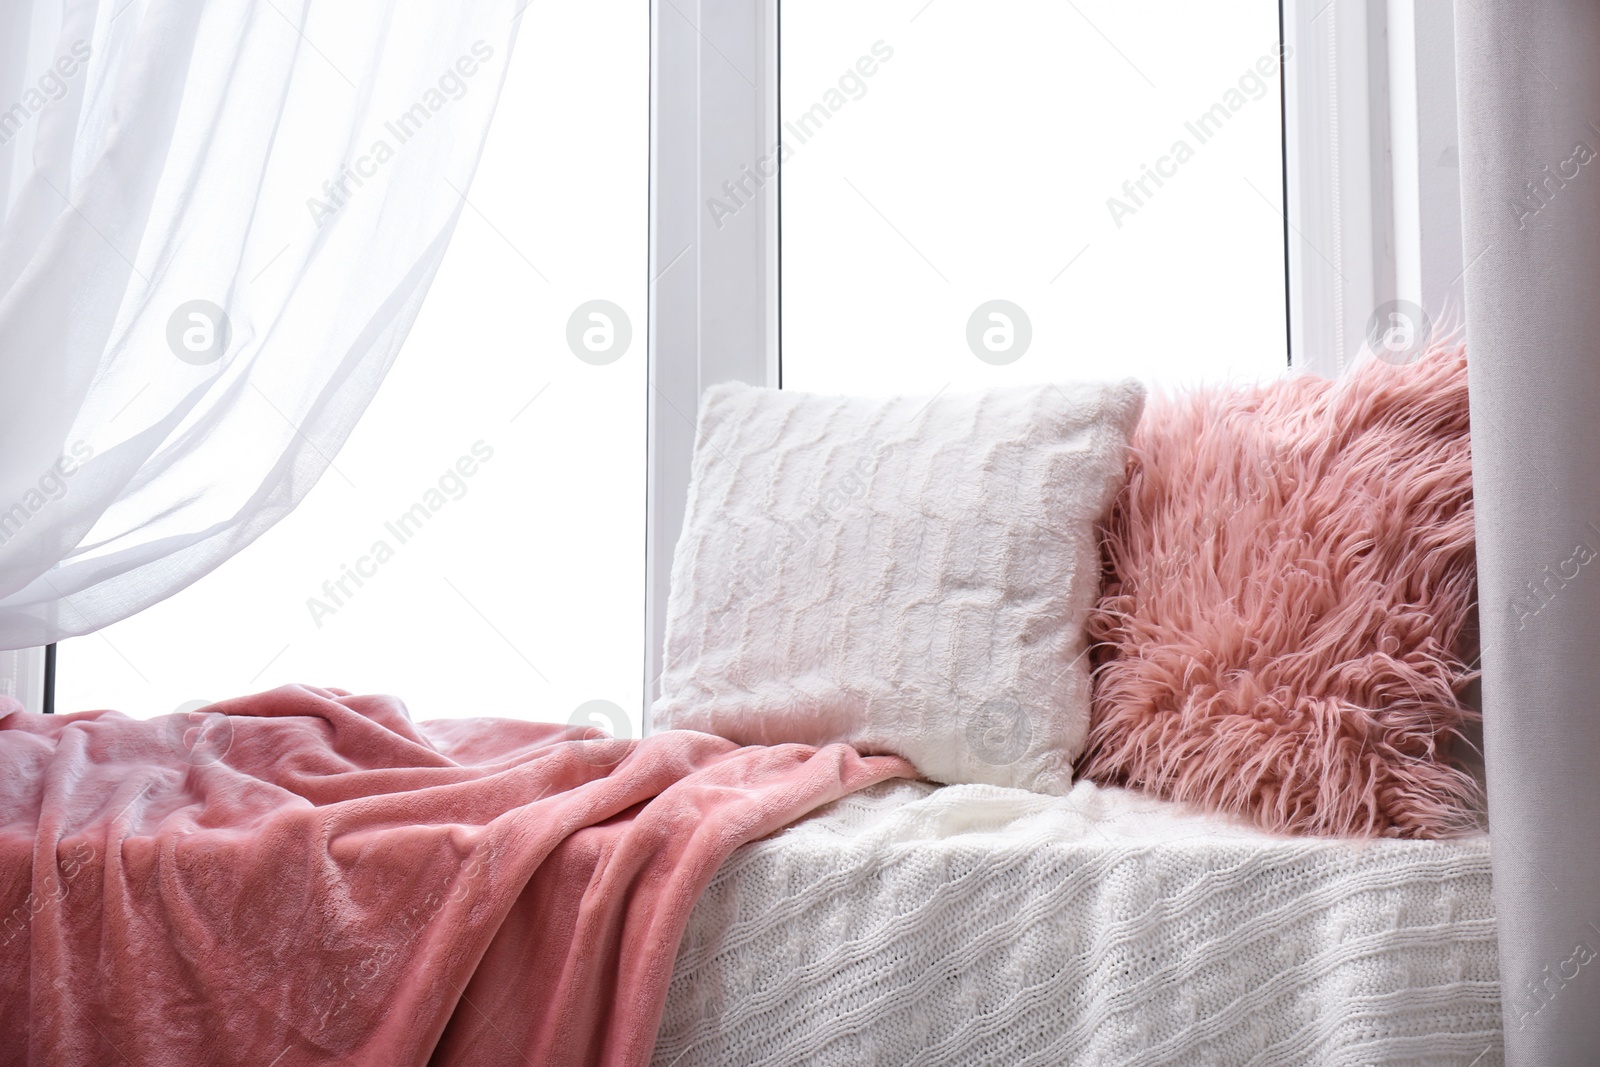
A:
[980,925]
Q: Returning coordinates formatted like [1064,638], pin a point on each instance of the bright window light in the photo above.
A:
[1014,192]
[477,547]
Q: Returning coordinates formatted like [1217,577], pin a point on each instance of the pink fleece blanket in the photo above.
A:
[306,877]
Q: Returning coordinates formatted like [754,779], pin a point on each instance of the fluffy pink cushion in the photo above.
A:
[1289,570]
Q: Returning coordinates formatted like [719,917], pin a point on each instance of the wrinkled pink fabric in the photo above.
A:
[306,877]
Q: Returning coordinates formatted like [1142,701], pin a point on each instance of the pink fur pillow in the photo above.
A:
[1289,570]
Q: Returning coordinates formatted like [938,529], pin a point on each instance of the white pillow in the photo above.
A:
[908,575]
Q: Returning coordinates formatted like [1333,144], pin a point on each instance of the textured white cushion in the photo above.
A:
[973,925]
[908,575]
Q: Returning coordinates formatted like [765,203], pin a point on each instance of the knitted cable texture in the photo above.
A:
[976,924]
[908,575]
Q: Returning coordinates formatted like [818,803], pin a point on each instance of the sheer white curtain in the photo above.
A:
[217,221]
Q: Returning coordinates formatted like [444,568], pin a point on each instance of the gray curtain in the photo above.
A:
[1529,85]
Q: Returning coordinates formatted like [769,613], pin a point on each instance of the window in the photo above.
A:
[971,195]
[477,546]
[980,194]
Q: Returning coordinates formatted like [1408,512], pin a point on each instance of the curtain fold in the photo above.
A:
[1529,90]
[217,222]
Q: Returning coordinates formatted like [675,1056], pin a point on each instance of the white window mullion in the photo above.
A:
[1338,176]
[1438,165]
[1374,204]
[713,244]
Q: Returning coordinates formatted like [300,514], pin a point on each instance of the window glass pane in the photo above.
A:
[1110,171]
[477,547]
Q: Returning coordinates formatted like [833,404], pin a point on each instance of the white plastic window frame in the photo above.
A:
[1373,214]
[714,277]
[1372,175]
[1373,206]
[22,677]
